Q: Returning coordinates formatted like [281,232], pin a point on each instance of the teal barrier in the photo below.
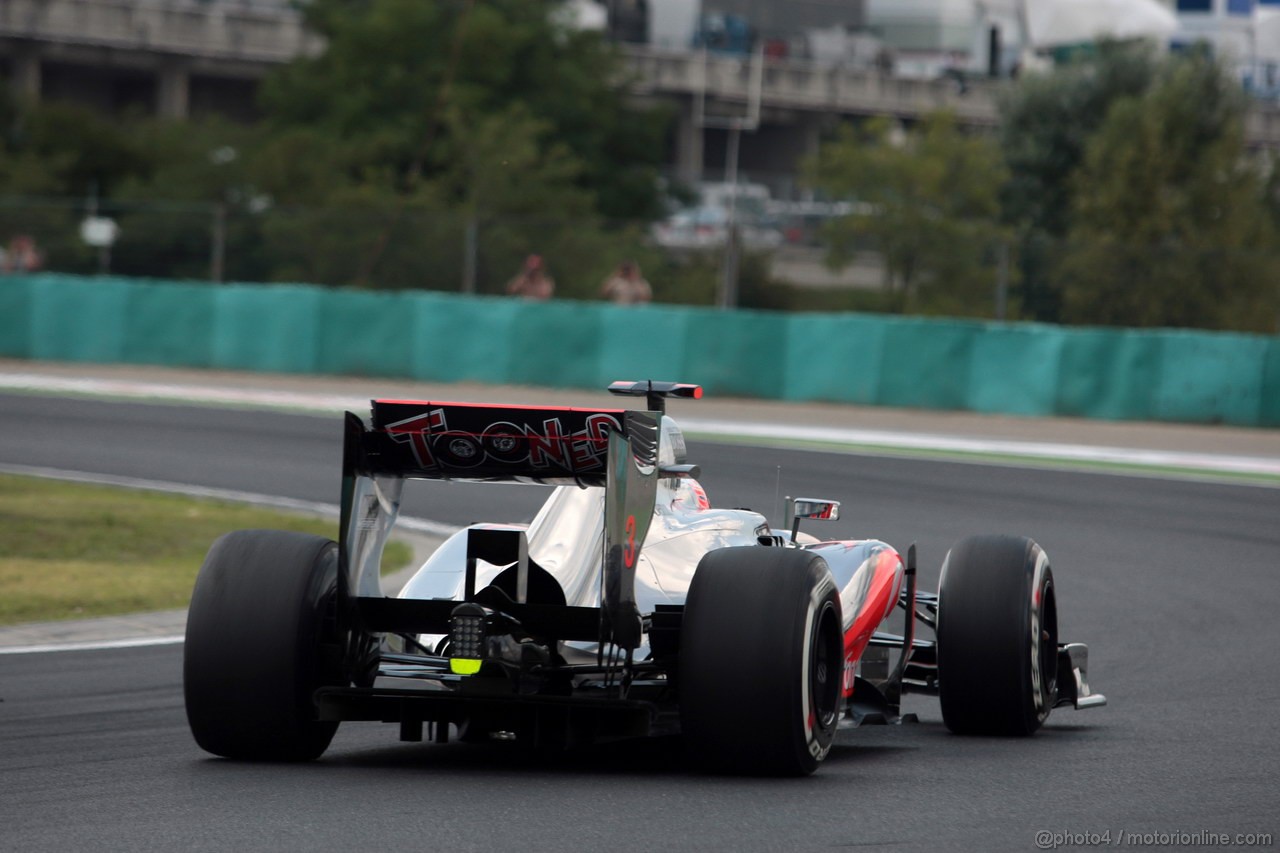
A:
[270,328]
[736,353]
[1022,369]
[1014,370]
[554,344]
[1108,373]
[925,363]
[642,342]
[1269,410]
[16,316]
[170,324]
[462,340]
[367,334]
[79,320]
[1210,377]
[834,357]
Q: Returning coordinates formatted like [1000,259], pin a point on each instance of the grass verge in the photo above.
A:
[69,550]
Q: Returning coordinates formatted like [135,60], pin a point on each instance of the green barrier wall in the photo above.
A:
[1022,369]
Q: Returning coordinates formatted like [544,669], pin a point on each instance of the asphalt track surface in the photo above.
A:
[1172,584]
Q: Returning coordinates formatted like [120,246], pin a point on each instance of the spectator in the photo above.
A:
[23,255]
[626,286]
[532,282]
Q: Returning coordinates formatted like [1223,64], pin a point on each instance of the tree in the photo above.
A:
[1169,224]
[55,159]
[446,125]
[927,203]
[1046,122]
[402,82]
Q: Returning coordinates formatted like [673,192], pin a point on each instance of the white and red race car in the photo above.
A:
[629,607]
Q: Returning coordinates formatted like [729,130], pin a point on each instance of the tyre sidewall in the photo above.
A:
[991,619]
[754,625]
[255,651]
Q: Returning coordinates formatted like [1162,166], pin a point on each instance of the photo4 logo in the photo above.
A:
[1047,840]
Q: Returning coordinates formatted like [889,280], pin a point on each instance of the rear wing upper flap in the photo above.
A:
[466,441]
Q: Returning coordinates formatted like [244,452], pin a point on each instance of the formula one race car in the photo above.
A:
[629,607]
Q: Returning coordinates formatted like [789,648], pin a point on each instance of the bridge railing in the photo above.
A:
[805,85]
[256,30]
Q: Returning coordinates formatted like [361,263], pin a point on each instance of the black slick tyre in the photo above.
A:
[761,661]
[260,640]
[997,637]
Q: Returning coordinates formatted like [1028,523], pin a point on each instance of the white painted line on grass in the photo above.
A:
[418,525]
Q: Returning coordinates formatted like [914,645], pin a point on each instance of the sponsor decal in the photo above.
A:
[537,447]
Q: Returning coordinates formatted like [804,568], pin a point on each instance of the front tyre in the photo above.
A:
[997,637]
[261,638]
[761,661]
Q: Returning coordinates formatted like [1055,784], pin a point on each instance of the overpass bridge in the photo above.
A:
[168,57]
[182,57]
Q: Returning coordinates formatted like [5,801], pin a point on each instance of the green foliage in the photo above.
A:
[64,149]
[1119,184]
[1169,225]
[1046,123]
[929,208]
[417,122]
[404,84]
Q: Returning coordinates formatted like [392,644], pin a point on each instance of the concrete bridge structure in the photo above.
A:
[179,58]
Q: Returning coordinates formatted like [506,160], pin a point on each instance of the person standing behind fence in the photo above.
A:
[626,286]
[532,282]
[23,255]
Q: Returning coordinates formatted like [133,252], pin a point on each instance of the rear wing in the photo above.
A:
[468,441]
[613,448]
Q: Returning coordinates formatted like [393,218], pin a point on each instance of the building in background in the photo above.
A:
[934,38]
[175,58]
[1000,38]
[1244,34]
[790,70]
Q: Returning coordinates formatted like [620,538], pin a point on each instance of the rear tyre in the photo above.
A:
[761,660]
[261,638]
[997,637]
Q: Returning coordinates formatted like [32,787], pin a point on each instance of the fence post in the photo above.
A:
[1002,279]
[218,243]
[471,247]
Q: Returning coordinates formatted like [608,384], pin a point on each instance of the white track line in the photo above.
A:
[1031,449]
[133,643]
[315,402]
